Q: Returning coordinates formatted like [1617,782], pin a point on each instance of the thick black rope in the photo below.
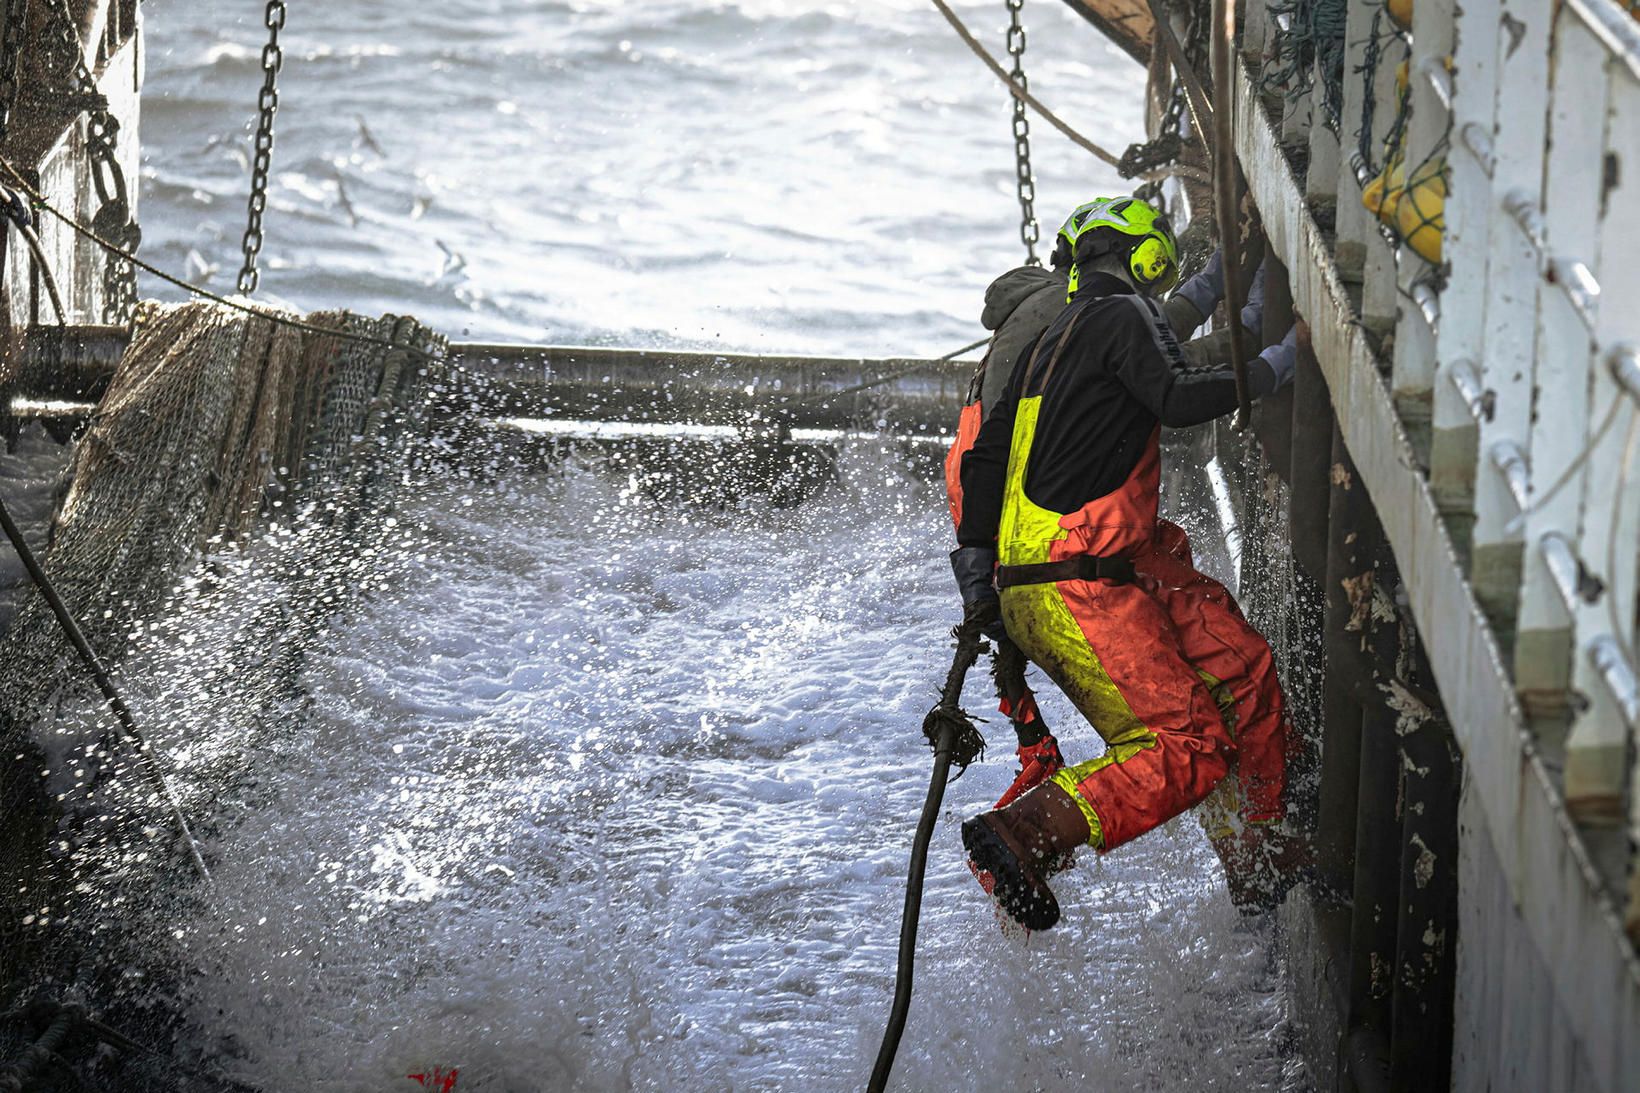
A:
[93,664]
[956,739]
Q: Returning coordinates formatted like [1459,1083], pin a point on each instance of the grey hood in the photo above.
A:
[1013,288]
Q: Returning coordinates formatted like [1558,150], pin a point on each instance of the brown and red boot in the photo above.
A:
[1019,846]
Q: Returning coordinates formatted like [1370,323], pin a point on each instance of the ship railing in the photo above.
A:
[1491,401]
[1541,250]
[1516,386]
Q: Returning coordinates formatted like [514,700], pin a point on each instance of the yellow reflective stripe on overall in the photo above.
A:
[1027,531]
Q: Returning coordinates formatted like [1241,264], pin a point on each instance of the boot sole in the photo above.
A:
[1025,900]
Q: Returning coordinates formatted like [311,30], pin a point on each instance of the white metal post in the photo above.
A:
[1511,312]
[1255,27]
[1379,296]
[1460,342]
[1354,223]
[1602,738]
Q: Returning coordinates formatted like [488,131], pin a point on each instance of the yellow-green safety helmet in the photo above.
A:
[1109,225]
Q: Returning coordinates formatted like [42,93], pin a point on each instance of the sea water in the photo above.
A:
[596,792]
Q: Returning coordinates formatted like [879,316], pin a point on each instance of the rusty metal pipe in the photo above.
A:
[1224,191]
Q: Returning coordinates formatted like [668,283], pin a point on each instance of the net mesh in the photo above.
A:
[219,430]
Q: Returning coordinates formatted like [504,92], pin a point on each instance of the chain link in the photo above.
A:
[112,220]
[10,49]
[267,104]
[1029,231]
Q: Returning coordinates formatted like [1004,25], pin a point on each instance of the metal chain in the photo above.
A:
[1029,232]
[10,49]
[112,220]
[267,104]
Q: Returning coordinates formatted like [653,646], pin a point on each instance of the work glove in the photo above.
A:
[1252,312]
[1283,358]
[981,606]
[1206,289]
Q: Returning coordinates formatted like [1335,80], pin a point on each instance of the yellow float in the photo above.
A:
[1420,210]
[1382,192]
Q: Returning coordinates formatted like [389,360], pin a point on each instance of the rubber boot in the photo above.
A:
[1018,845]
[1037,763]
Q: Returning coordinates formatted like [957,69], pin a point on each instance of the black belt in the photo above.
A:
[1083,567]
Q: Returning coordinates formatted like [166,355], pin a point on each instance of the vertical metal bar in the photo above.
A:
[1308,511]
[1376,887]
[1313,426]
[1340,708]
[1273,416]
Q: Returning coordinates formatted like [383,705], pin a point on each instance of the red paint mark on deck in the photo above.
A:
[439,1079]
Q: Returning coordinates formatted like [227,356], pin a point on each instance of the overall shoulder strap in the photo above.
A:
[1031,379]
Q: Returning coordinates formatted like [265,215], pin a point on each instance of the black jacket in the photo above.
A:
[1121,372]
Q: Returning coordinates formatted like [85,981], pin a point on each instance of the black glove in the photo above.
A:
[981,607]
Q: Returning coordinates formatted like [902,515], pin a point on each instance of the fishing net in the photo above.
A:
[1307,46]
[220,431]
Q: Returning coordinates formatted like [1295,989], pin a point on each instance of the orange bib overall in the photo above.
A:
[1149,663]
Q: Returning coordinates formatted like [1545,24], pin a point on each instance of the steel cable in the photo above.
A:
[1053,119]
[296,324]
[194,290]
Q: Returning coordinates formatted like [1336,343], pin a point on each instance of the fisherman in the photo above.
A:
[1019,305]
[1060,487]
